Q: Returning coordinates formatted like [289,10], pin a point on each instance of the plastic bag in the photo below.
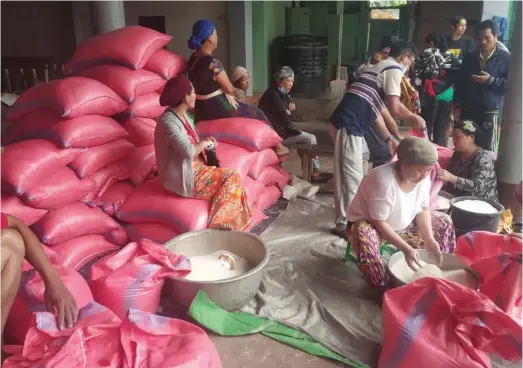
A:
[273,175]
[236,158]
[253,189]
[117,237]
[70,98]
[93,342]
[140,163]
[268,198]
[128,83]
[104,178]
[115,196]
[58,190]
[72,221]
[266,157]
[129,46]
[444,156]
[134,276]
[158,233]
[31,295]
[51,254]
[257,216]
[27,163]
[141,131]
[77,252]
[95,158]
[182,343]
[439,323]
[151,202]
[166,64]
[497,259]
[81,132]
[13,206]
[145,106]
[251,134]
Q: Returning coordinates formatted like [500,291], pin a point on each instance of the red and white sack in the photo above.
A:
[140,130]
[27,163]
[151,202]
[236,158]
[51,254]
[257,216]
[30,299]
[254,189]
[14,206]
[133,277]
[94,341]
[273,175]
[145,106]
[115,196]
[117,237]
[166,64]
[444,324]
[58,190]
[127,83]
[140,163]
[149,340]
[156,232]
[81,132]
[130,46]
[95,158]
[104,178]
[268,198]
[72,221]
[69,98]
[77,252]
[264,158]
[251,134]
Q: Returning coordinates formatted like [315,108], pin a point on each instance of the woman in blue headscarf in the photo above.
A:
[214,91]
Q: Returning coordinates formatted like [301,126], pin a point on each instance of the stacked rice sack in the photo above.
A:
[245,146]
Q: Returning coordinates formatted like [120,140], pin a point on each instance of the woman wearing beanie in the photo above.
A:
[215,94]
[389,199]
[185,164]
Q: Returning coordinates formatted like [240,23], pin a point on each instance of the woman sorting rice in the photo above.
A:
[182,160]
[214,91]
[389,199]
[471,171]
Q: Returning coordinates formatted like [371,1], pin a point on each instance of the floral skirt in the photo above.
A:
[223,188]
[366,243]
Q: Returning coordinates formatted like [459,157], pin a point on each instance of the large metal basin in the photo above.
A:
[230,294]
[450,262]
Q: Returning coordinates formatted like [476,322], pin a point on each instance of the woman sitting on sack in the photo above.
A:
[389,199]
[214,91]
[185,163]
[472,171]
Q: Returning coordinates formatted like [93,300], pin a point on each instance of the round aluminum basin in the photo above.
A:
[230,294]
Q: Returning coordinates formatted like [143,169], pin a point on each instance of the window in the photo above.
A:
[387,3]
[387,14]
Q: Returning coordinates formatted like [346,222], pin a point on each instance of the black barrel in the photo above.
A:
[307,56]
[466,221]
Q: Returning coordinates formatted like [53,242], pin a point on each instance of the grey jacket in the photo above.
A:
[174,155]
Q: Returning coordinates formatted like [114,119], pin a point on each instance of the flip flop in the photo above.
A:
[339,233]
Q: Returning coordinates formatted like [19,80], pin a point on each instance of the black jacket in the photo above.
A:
[275,105]
[488,96]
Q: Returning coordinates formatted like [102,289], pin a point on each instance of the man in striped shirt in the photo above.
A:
[376,92]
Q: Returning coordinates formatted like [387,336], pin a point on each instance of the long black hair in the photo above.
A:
[438,40]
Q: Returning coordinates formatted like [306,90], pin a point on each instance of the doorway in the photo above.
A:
[156,22]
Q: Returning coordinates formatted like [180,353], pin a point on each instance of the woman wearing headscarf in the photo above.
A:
[214,91]
[277,105]
[471,171]
[182,160]
[389,199]
[240,79]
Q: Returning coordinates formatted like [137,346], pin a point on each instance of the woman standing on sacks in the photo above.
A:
[392,205]
[215,94]
[182,164]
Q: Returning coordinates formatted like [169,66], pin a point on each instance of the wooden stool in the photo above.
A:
[307,152]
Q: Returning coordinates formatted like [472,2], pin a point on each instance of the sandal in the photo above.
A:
[339,233]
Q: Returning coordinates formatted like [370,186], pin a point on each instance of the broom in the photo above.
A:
[338,87]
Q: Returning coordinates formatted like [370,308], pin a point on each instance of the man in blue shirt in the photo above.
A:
[482,84]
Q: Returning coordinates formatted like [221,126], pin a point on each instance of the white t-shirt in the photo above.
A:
[380,198]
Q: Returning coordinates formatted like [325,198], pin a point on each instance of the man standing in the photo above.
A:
[361,106]
[459,44]
[482,84]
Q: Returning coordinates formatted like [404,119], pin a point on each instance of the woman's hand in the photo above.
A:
[292,106]
[444,175]
[393,146]
[432,247]
[58,300]
[412,258]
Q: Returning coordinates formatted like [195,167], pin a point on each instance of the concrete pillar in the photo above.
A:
[239,16]
[509,160]
[107,16]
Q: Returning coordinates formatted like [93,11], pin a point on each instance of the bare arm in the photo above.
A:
[399,111]
[390,122]
[223,80]
[424,222]
[388,234]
